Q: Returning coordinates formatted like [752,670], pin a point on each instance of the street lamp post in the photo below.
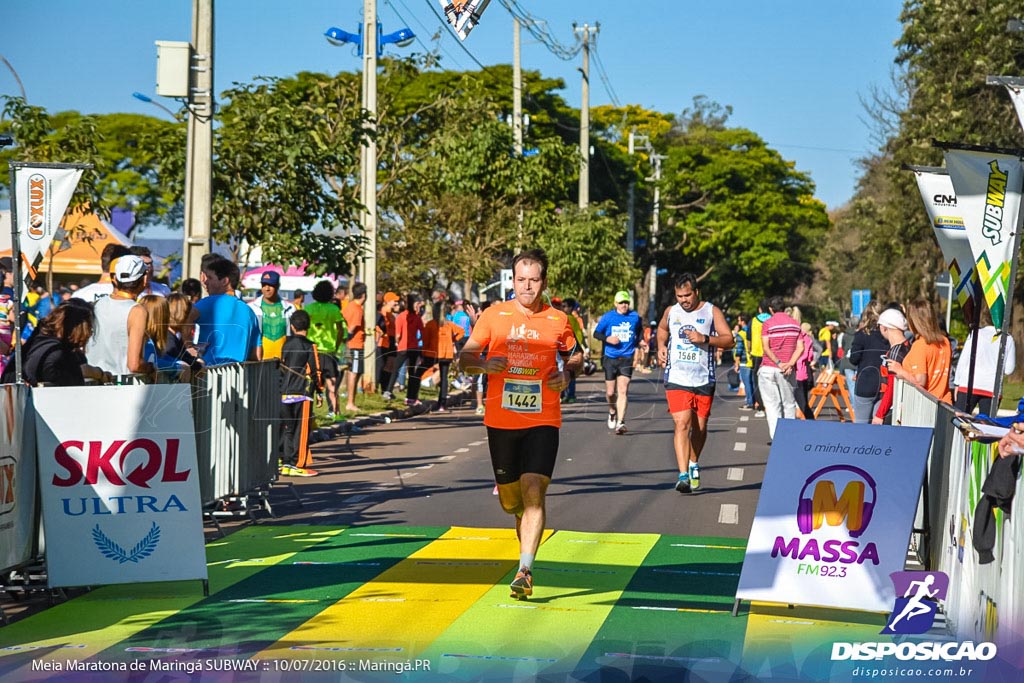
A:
[370,42]
[21,86]
[149,100]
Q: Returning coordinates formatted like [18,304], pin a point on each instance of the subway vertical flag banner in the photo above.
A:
[42,195]
[119,483]
[944,214]
[835,514]
[988,186]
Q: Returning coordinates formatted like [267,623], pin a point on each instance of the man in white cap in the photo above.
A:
[119,330]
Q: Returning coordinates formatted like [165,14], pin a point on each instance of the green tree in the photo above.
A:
[736,213]
[586,253]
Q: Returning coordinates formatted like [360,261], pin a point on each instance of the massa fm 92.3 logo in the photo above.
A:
[821,511]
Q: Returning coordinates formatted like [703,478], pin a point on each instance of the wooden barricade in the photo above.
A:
[831,386]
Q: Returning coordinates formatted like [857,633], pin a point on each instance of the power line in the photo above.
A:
[538,29]
[604,77]
[427,29]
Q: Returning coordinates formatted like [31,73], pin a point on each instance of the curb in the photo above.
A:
[351,426]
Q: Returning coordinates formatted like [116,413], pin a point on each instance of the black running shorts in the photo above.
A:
[615,367]
[329,366]
[518,451]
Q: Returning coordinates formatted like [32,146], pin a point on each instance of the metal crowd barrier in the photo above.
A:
[236,409]
[984,602]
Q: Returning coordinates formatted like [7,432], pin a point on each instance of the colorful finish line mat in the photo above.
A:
[297,603]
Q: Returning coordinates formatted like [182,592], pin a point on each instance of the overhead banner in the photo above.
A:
[988,186]
[119,483]
[1017,97]
[834,516]
[17,477]
[944,214]
[42,195]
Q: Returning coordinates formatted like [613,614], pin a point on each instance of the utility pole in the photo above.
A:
[584,190]
[368,193]
[652,311]
[517,88]
[199,146]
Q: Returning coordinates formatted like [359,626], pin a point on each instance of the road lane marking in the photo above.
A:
[740,446]
[478,443]
[447,457]
[461,450]
[745,418]
[729,514]
[741,430]
[734,474]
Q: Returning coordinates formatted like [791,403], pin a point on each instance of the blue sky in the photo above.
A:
[793,70]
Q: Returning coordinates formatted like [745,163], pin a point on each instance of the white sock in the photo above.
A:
[526,560]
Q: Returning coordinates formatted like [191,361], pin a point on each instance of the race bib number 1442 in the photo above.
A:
[521,396]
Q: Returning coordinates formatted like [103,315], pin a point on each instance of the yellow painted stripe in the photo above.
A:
[409,605]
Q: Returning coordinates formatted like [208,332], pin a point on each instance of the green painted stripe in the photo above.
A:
[578,578]
[82,627]
[673,615]
[252,614]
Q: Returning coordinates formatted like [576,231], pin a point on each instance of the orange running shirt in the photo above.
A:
[354,320]
[933,361]
[519,397]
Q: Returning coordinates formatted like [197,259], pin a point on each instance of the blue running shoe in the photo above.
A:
[694,476]
[683,483]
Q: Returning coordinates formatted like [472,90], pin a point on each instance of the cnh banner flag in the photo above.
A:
[988,186]
[42,195]
[944,214]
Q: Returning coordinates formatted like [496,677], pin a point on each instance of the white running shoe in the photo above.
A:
[613,419]
[620,429]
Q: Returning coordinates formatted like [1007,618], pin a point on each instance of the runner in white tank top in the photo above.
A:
[689,335]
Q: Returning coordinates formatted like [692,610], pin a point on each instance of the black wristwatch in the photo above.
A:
[707,340]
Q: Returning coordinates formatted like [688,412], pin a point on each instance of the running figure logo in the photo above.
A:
[914,613]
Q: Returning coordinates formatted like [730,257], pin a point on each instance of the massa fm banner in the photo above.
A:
[988,186]
[835,514]
[119,484]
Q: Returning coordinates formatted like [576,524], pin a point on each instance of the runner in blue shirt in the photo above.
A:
[620,331]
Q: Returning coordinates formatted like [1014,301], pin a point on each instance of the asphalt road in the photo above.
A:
[434,469]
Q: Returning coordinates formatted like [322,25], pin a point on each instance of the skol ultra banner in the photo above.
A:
[17,477]
[42,194]
[119,483]
[944,214]
[988,187]
[834,516]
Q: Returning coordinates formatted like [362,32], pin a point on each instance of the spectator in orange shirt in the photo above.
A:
[440,336]
[385,334]
[408,336]
[356,324]
[928,362]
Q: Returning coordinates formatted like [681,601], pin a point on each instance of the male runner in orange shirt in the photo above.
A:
[523,339]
